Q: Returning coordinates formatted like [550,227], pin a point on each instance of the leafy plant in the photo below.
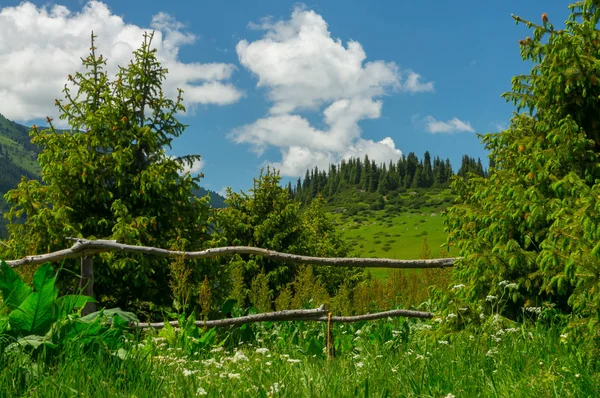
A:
[35,318]
[533,221]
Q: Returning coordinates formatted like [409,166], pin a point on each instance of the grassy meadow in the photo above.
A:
[489,357]
[399,229]
[388,358]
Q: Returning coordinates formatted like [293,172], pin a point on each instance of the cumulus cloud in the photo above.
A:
[40,46]
[453,125]
[194,168]
[303,68]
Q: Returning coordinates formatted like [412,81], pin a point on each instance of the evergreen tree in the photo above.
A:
[109,177]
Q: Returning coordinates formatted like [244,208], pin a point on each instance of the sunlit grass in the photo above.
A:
[374,359]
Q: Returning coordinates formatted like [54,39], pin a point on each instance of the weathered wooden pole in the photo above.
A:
[86,283]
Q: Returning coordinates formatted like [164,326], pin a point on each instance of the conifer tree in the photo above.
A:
[109,177]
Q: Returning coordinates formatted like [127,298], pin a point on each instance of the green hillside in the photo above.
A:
[396,227]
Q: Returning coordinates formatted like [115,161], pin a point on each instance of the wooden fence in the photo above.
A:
[86,249]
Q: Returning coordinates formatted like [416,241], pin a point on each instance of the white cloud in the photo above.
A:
[39,47]
[453,125]
[195,168]
[303,68]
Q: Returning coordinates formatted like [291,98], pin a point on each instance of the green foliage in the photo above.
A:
[270,219]
[109,177]
[35,319]
[533,221]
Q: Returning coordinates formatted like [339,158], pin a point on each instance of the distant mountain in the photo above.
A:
[18,157]
[217,201]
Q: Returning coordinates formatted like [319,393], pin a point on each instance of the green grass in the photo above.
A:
[390,358]
[397,231]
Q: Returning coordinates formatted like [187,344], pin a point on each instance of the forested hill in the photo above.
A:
[365,174]
[17,154]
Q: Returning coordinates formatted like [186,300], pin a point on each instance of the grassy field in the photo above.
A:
[393,358]
[399,229]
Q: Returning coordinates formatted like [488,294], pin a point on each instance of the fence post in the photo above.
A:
[86,283]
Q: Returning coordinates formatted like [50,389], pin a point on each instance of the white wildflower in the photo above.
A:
[503,283]
[239,356]
[490,298]
[293,360]
[201,391]
[262,350]
[187,372]
[360,364]
[444,342]
[218,349]
[456,287]
[233,375]
[450,316]
[358,332]
[275,388]
[535,310]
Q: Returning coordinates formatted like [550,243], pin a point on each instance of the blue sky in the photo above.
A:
[290,84]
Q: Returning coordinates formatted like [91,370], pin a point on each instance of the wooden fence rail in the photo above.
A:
[86,249]
[318,314]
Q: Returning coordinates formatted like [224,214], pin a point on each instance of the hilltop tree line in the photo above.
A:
[365,174]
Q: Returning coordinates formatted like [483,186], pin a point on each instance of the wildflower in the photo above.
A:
[450,395]
[491,352]
[187,373]
[268,363]
[233,375]
[450,316]
[358,332]
[262,350]
[535,310]
[502,283]
[201,391]
[239,356]
[491,298]
[481,316]
[275,388]
[456,287]
[218,349]
[293,360]
[577,375]
[419,356]
[444,342]
[359,365]
[512,286]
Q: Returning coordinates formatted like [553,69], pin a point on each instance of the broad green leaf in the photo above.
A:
[34,315]
[67,304]
[14,290]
